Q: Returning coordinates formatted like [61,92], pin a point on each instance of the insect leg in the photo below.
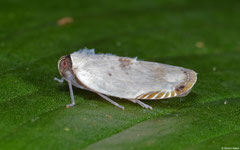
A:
[59,80]
[71,94]
[111,101]
[141,103]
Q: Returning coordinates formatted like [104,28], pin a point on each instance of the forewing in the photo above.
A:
[129,78]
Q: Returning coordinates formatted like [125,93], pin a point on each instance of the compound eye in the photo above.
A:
[64,63]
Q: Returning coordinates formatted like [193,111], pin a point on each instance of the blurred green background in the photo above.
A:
[199,35]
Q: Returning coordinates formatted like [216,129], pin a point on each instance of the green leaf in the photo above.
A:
[199,35]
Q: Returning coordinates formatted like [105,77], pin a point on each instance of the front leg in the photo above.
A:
[71,94]
[59,80]
[70,89]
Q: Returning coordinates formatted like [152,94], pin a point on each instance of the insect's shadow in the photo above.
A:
[176,103]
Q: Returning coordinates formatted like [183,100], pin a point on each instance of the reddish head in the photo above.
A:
[65,66]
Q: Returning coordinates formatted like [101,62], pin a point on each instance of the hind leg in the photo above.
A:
[140,103]
[111,101]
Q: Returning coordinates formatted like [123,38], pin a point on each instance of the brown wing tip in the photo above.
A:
[181,90]
[184,88]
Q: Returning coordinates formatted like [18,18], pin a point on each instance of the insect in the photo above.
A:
[123,77]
